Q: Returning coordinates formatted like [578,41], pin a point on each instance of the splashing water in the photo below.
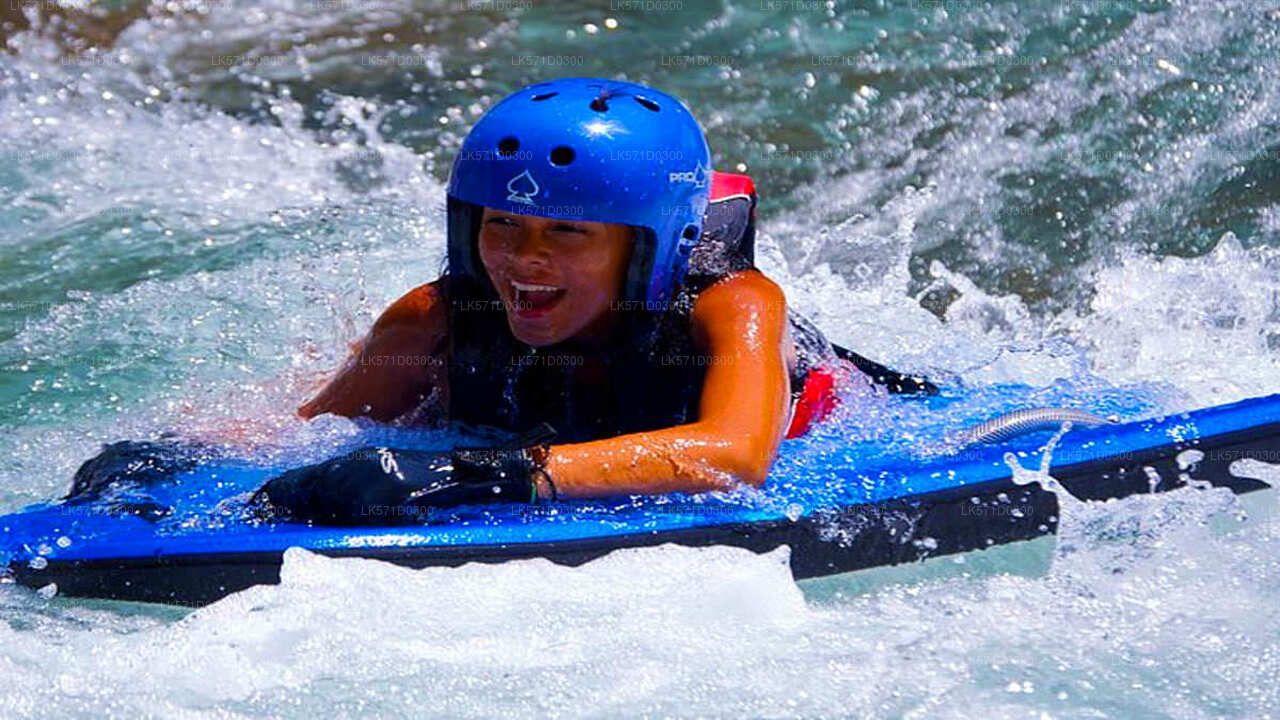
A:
[199,214]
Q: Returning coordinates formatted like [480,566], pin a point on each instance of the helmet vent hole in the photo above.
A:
[599,105]
[690,232]
[562,155]
[544,96]
[508,146]
[647,103]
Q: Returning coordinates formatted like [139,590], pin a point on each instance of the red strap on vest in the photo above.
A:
[726,185]
[817,400]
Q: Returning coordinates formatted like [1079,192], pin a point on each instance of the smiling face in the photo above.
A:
[558,279]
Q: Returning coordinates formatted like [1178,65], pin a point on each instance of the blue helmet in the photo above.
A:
[588,149]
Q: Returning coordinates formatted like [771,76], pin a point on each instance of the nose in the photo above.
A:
[532,248]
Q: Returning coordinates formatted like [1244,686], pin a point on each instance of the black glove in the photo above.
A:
[381,486]
[119,475]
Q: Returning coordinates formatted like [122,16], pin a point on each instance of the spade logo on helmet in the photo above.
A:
[522,188]
[697,176]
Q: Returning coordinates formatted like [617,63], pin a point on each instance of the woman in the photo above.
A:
[576,209]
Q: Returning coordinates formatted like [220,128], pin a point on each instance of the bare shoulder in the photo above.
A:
[423,308]
[395,366]
[745,306]
[747,292]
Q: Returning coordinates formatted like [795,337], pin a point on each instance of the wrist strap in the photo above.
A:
[510,469]
[537,441]
[555,494]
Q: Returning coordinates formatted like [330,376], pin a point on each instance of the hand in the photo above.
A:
[119,480]
[135,464]
[381,486]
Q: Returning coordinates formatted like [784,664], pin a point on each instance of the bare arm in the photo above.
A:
[741,322]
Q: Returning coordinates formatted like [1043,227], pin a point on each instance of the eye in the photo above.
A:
[501,221]
[571,229]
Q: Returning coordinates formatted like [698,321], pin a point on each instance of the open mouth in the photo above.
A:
[532,300]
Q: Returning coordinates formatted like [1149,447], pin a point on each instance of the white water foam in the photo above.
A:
[1146,610]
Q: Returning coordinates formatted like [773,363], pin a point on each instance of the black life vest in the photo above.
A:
[650,377]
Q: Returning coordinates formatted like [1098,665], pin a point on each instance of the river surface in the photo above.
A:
[198,214]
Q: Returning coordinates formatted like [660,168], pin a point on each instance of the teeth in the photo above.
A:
[526,287]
